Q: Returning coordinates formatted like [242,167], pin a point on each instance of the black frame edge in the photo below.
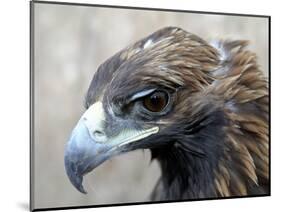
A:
[269,96]
[145,203]
[145,8]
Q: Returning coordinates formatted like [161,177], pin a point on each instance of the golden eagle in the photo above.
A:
[201,108]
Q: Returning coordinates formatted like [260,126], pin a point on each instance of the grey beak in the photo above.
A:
[83,154]
[75,177]
[89,146]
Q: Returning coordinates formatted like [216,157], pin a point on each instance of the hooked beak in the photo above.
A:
[89,146]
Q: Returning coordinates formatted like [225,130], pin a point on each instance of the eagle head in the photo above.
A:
[202,110]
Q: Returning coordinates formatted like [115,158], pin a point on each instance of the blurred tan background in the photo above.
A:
[70,43]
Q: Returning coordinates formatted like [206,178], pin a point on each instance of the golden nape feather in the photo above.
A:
[244,90]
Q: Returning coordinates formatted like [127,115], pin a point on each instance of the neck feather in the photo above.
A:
[188,164]
[214,161]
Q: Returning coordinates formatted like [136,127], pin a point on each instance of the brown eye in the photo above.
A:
[156,102]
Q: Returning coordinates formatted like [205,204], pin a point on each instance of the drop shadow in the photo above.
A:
[23,205]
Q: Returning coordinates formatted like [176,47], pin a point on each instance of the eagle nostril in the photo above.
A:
[99,135]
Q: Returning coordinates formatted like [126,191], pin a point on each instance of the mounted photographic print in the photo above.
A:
[142,105]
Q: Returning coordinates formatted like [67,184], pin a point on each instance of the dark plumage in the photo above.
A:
[202,110]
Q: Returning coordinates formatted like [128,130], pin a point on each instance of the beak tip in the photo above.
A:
[81,189]
[76,181]
[74,177]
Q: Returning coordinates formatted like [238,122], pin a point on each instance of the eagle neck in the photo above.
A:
[189,163]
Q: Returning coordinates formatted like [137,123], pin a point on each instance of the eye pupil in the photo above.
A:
[156,102]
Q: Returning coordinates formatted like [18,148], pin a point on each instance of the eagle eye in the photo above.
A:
[156,101]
